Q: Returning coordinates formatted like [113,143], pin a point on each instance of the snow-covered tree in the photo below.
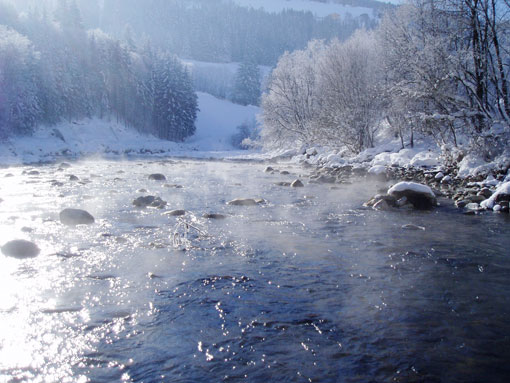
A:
[292,105]
[19,105]
[351,83]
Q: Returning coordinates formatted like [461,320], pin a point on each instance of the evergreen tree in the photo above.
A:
[247,87]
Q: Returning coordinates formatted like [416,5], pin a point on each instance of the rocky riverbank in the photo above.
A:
[469,193]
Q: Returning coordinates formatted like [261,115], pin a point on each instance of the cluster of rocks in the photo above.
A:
[468,193]
[323,175]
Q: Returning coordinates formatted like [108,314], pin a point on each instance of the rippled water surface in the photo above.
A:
[308,287]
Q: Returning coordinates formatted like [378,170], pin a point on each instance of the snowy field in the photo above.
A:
[318,9]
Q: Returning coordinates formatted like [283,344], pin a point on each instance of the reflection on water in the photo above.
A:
[307,287]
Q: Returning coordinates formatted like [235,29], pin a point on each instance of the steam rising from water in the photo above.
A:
[296,285]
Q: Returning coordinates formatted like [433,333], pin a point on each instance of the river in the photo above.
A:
[309,286]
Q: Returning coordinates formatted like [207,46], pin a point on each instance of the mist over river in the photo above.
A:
[307,286]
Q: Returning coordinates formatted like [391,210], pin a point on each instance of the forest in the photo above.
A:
[53,69]
[70,59]
[439,69]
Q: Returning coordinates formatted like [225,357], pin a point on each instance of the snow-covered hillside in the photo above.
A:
[317,8]
[216,123]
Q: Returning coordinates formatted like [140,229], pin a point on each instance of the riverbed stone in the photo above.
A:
[74,217]
[323,179]
[476,198]
[297,184]
[485,192]
[20,249]
[149,201]
[413,227]
[157,177]
[214,216]
[282,183]
[390,200]
[72,177]
[243,202]
[472,206]
[503,197]
[176,213]
[268,169]
[382,205]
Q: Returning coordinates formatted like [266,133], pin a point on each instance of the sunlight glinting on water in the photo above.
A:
[290,286]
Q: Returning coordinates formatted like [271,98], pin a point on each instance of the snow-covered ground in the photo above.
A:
[317,8]
[216,123]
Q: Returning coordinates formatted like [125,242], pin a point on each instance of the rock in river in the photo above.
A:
[20,249]
[157,177]
[214,216]
[176,213]
[245,202]
[73,217]
[420,196]
[149,201]
[297,184]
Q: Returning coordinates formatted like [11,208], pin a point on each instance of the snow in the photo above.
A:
[377,170]
[216,122]
[317,8]
[504,188]
[411,186]
[426,159]
[472,165]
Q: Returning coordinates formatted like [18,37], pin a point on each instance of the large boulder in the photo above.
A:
[73,217]
[420,196]
[20,249]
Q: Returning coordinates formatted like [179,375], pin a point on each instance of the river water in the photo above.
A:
[307,287]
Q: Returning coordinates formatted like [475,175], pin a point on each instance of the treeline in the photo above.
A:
[221,31]
[439,68]
[52,69]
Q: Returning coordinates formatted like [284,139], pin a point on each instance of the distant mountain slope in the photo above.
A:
[320,9]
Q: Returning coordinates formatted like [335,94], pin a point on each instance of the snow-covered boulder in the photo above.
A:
[382,159]
[425,159]
[420,196]
[377,170]
[502,194]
